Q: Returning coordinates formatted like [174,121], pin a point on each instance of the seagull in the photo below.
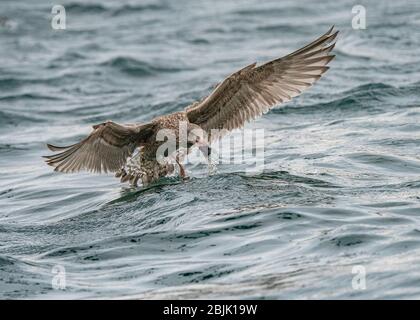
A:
[129,150]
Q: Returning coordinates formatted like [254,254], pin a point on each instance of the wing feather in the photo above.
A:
[252,91]
[106,149]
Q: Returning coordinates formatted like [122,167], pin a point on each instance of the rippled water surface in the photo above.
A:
[341,185]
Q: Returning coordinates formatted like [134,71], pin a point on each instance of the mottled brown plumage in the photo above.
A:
[241,97]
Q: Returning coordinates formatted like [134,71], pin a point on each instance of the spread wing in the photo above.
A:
[252,91]
[105,149]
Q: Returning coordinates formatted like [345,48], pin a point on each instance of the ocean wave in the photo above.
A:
[9,118]
[127,9]
[27,96]
[387,162]
[290,178]
[10,83]
[68,58]
[91,8]
[6,261]
[278,12]
[18,81]
[79,7]
[365,97]
[134,67]
[7,24]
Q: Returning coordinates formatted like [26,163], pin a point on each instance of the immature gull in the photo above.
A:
[241,97]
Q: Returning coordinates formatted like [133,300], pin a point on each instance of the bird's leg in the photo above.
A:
[134,180]
[120,173]
[181,169]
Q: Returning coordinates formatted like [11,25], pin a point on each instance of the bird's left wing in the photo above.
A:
[252,91]
[106,149]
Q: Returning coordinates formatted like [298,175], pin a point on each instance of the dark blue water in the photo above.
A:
[341,185]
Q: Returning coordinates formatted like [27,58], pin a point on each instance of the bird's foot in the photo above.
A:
[182,172]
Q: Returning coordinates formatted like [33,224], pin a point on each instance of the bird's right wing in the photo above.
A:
[254,90]
[106,149]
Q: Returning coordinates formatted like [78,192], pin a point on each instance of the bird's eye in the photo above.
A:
[197,139]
